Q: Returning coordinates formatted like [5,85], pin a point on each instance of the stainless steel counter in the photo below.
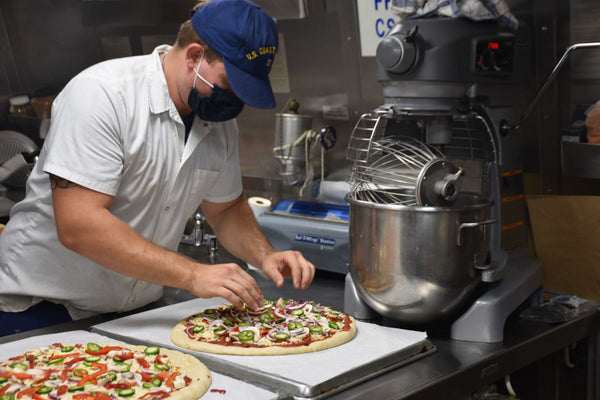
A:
[456,369]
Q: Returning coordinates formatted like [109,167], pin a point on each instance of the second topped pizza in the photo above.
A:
[282,327]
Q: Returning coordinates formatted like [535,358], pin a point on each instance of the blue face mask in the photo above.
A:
[221,105]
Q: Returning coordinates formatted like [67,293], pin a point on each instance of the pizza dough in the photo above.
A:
[284,327]
[103,372]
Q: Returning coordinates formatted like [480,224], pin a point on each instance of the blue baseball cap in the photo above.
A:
[247,40]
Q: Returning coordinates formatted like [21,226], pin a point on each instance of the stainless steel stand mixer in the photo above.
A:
[426,201]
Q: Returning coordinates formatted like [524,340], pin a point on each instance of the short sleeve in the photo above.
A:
[84,140]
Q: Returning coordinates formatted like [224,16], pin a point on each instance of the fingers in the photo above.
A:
[289,264]
[303,271]
[229,281]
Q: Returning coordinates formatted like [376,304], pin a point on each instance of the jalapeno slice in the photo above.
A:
[43,390]
[151,350]
[297,312]
[93,347]
[67,349]
[161,367]
[281,336]
[334,325]
[198,329]
[111,375]
[266,318]
[125,392]
[154,383]
[246,336]
[18,365]
[315,329]
[56,361]
[293,325]
[123,366]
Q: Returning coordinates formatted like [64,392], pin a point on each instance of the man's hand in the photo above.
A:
[229,281]
[285,264]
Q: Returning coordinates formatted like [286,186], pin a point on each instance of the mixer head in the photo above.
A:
[405,171]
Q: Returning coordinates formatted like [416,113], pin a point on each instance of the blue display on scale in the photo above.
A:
[312,209]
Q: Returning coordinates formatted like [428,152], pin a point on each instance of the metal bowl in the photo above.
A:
[418,265]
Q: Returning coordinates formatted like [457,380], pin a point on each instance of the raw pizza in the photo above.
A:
[108,372]
[284,327]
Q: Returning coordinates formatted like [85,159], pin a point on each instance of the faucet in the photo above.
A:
[198,236]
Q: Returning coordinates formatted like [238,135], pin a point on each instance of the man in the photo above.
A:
[135,145]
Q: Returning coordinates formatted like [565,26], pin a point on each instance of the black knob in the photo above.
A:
[396,53]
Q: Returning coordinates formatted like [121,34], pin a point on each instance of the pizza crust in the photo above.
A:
[192,367]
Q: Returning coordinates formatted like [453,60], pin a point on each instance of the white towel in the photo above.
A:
[478,10]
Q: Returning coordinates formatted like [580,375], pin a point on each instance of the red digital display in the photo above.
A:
[493,45]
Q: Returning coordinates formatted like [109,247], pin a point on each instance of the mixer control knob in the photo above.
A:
[397,53]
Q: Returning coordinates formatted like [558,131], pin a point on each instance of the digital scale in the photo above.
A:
[318,230]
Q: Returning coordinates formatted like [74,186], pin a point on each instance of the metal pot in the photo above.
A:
[418,265]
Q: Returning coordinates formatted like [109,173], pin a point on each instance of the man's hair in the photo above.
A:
[188,35]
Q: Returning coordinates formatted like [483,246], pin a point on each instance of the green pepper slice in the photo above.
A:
[297,312]
[293,325]
[266,317]
[198,329]
[111,375]
[93,347]
[80,372]
[125,392]
[227,321]
[161,367]
[75,389]
[67,349]
[18,365]
[334,325]
[10,396]
[124,366]
[56,361]
[156,382]
[151,350]
[44,390]
[281,336]
[315,329]
[246,336]
[219,331]
[3,379]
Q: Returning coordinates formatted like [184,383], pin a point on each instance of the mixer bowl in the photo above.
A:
[418,265]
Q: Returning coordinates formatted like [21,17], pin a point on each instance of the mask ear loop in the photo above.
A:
[200,76]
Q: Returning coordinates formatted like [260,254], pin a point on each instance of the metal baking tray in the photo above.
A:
[374,351]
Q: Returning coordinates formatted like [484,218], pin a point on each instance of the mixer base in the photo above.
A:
[484,320]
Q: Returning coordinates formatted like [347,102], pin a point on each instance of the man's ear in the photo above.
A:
[193,53]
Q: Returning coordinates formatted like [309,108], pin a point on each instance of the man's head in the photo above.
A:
[244,37]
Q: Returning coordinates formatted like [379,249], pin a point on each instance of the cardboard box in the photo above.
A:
[566,237]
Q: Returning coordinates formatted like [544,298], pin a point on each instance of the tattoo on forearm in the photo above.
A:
[56,182]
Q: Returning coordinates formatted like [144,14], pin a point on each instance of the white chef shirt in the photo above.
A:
[114,130]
